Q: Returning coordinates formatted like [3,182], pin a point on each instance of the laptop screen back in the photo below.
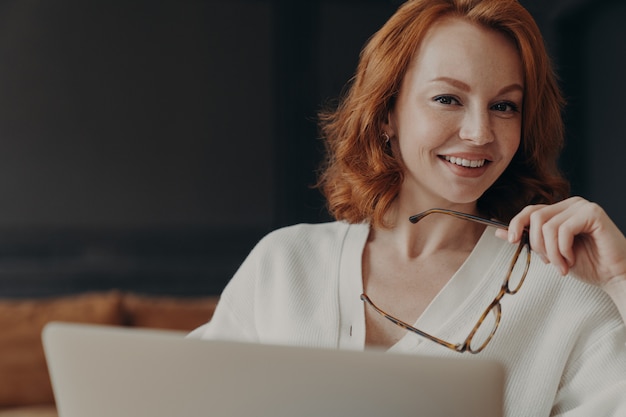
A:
[100,371]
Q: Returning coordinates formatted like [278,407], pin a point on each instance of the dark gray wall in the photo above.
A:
[147,145]
[137,143]
[586,39]
[135,114]
[603,108]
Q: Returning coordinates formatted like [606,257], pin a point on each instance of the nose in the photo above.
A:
[476,127]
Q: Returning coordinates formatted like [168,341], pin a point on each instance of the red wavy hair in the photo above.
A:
[361,178]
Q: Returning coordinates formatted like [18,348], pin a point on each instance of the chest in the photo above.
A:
[403,289]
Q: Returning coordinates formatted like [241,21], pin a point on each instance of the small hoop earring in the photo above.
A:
[385,136]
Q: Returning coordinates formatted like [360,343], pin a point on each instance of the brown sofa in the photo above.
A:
[25,389]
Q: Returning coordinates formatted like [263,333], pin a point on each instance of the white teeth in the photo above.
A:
[465,162]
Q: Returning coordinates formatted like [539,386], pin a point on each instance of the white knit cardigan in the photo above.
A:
[563,342]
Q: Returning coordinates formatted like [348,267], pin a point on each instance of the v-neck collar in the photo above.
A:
[464,295]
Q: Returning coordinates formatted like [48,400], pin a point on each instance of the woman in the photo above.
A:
[454,106]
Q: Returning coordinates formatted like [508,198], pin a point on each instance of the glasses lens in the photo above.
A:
[486,329]
[520,268]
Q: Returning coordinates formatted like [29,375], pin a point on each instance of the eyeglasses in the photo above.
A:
[482,333]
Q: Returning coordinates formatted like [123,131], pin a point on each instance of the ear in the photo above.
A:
[389,125]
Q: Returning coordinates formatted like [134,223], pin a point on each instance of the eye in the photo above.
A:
[505,106]
[447,100]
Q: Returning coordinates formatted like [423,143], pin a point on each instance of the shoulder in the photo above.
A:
[304,251]
[309,237]
[328,229]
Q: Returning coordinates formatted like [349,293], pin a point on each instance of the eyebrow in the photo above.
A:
[465,87]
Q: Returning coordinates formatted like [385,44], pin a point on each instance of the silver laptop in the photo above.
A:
[101,371]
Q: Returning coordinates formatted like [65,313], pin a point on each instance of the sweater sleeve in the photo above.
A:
[617,292]
[233,317]
[286,290]
[595,382]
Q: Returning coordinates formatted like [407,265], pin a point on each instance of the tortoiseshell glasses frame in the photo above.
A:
[495,306]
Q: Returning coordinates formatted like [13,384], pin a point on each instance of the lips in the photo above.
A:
[466,163]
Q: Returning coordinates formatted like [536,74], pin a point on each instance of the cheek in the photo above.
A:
[511,147]
[510,143]
[413,146]
[515,144]
[424,130]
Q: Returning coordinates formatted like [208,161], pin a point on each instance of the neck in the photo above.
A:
[433,233]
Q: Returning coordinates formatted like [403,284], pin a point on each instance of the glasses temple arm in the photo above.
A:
[488,222]
[406,326]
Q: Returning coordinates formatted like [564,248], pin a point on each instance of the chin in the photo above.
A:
[464,198]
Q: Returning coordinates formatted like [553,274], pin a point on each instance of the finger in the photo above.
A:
[566,239]
[569,223]
[560,223]
[554,236]
[520,222]
[535,233]
[502,234]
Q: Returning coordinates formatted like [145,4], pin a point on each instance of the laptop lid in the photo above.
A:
[100,371]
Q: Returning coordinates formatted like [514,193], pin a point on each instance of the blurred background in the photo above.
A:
[148,144]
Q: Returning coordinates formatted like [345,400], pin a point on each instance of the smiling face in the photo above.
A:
[456,123]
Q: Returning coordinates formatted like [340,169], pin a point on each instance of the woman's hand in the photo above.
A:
[577,237]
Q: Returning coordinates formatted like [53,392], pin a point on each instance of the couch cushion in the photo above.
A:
[30,411]
[24,376]
[167,312]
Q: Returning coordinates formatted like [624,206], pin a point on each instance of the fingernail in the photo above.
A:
[512,237]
